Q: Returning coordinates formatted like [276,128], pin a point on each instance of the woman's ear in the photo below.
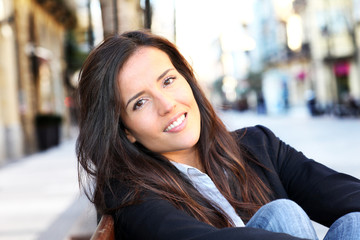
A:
[129,136]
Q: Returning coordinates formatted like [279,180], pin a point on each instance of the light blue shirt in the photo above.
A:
[203,183]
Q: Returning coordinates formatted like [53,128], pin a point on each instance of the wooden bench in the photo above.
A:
[105,229]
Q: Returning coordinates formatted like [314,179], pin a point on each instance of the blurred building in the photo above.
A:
[335,56]
[282,57]
[307,49]
[32,71]
[10,124]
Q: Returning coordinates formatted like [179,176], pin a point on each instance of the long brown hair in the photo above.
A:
[107,156]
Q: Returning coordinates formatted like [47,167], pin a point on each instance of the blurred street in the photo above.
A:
[39,195]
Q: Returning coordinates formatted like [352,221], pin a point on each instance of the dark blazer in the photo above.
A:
[323,193]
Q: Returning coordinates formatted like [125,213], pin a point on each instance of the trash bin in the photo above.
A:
[47,130]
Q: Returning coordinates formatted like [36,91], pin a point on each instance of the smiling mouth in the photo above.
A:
[176,123]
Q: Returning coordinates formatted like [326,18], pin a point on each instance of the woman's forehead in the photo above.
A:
[146,62]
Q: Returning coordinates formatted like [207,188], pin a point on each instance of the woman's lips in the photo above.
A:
[177,124]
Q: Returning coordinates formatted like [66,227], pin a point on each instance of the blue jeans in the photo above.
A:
[286,216]
[347,227]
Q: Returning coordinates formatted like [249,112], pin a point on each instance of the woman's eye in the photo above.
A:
[168,81]
[139,104]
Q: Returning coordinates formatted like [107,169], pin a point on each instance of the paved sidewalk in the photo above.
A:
[40,199]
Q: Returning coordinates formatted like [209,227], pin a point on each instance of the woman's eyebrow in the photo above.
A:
[134,97]
[138,94]
[164,73]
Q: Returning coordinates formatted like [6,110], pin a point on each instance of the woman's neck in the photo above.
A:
[188,157]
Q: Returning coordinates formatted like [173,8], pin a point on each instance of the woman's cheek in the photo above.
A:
[184,95]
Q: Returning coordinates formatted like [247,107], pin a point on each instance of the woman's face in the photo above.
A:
[159,108]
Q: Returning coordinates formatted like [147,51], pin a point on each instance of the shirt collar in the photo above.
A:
[187,170]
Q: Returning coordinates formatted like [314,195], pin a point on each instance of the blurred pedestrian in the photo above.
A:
[165,167]
[312,104]
[261,106]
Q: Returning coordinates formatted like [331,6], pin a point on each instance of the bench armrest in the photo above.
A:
[105,229]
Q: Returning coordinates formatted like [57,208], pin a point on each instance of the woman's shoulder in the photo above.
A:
[259,141]
[254,134]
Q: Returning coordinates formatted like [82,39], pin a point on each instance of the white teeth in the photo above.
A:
[176,123]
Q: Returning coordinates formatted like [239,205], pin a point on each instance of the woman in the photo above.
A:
[165,167]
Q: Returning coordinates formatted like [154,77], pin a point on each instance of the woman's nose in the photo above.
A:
[166,104]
